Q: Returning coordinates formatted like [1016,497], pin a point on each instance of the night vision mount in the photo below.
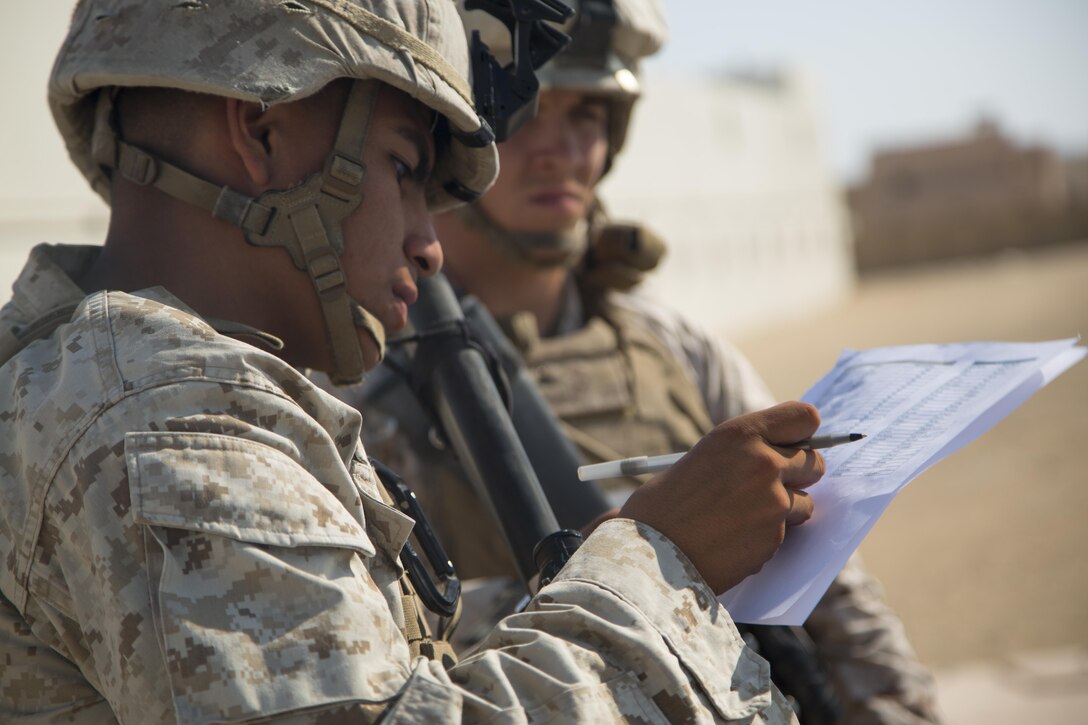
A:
[506,97]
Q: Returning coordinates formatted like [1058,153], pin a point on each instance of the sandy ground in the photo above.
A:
[985,555]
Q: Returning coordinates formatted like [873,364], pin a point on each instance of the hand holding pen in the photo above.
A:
[638,465]
[727,503]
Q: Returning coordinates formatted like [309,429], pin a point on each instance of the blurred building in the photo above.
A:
[966,197]
[42,196]
[731,171]
[1076,171]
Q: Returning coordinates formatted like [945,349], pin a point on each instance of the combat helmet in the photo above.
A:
[271,52]
[609,39]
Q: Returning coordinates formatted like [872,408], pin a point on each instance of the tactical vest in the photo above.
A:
[618,390]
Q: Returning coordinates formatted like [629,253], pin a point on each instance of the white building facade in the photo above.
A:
[731,172]
[43,198]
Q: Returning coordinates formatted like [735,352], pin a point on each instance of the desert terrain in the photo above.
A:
[985,555]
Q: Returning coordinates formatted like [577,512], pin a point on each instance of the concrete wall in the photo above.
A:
[731,171]
[42,196]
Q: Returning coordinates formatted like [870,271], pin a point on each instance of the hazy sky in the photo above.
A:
[899,71]
[886,71]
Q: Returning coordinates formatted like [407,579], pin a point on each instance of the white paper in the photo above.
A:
[917,404]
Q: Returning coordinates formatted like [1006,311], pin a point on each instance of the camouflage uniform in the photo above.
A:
[191,532]
[631,379]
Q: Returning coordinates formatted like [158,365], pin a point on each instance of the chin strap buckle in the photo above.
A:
[327,275]
[136,165]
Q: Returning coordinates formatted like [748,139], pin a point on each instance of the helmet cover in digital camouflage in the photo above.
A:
[271,51]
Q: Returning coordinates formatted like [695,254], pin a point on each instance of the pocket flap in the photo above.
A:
[237,488]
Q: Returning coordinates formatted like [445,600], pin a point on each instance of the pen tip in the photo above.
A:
[856,437]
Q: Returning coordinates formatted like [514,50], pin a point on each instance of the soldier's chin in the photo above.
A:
[564,224]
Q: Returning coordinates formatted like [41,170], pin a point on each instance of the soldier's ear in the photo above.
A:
[249,126]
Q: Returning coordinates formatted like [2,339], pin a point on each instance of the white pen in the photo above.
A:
[653,464]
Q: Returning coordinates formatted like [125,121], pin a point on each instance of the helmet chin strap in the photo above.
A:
[540,249]
[306,219]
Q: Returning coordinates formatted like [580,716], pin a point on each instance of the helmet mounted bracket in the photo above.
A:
[506,96]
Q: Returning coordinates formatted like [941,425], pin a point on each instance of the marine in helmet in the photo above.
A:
[627,376]
[191,531]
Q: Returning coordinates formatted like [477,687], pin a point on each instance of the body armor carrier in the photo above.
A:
[618,390]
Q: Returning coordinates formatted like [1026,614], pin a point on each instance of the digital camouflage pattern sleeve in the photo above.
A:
[190,533]
[858,636]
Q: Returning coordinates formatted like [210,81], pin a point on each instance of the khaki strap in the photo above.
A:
[395,37]
[588,443]
[44,324]
[369,324]
[330,284]
[413,632]
[356,120]
[230,328]
[12,341]
[444,653]
[418,642]
[344,174]
[314,209]
[417,633]
[344,168]
[223,202]
[144,169]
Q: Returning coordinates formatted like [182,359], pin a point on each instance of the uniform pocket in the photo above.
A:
[237,488]
[261,598]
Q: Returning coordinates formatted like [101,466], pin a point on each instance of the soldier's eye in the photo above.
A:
[594,112]
[403,170]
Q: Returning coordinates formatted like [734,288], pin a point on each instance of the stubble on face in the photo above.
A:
[550,167]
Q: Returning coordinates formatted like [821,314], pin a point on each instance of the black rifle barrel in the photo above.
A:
[476,423]
[553,456]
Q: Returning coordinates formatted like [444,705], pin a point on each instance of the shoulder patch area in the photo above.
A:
[156,339]
[237,488]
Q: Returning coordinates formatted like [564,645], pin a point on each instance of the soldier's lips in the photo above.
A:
[398,315]
[403,296]
[558,199]
[407,293]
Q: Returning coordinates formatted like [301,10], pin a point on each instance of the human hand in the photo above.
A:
[592,525]
[726,504]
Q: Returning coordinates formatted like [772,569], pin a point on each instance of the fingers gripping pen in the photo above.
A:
[652,464]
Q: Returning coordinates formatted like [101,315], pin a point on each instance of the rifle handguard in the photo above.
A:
[475,421]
